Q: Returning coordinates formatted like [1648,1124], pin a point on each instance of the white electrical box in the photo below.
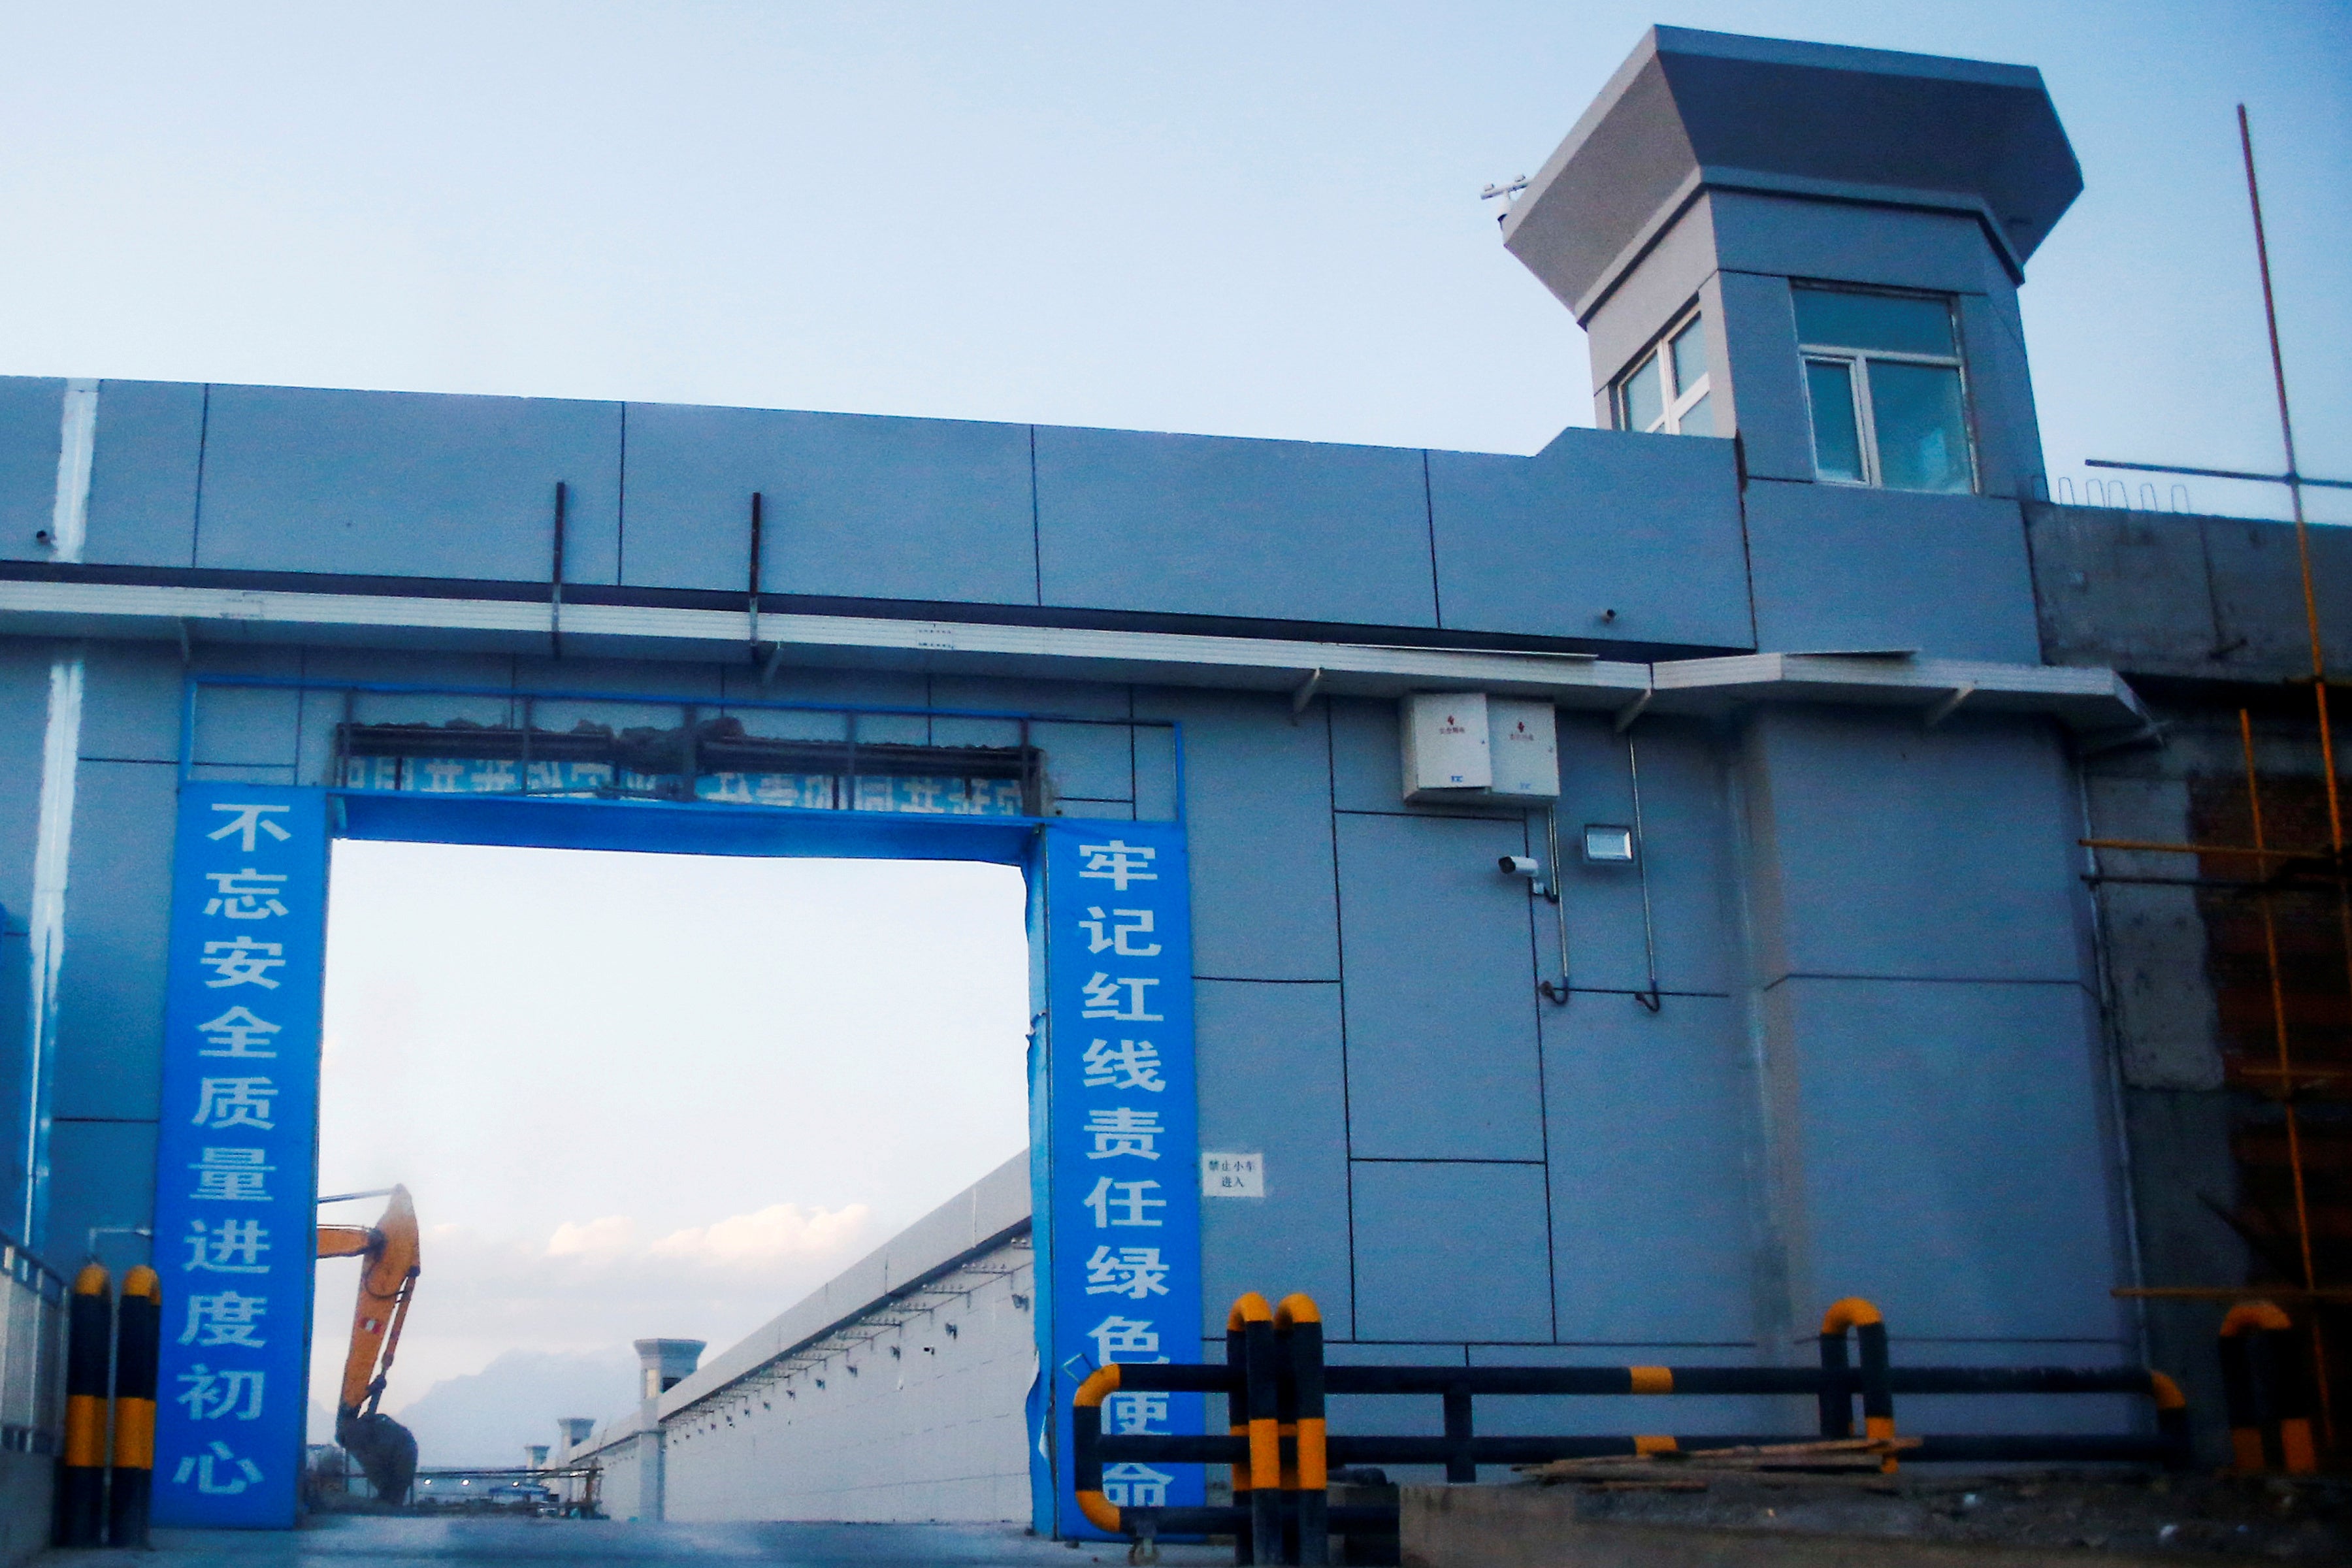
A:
[1446,748]
[1466,745]
[1525,748]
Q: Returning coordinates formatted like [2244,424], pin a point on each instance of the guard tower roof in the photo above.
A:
[1692,110]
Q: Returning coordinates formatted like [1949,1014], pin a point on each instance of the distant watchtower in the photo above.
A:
[1817,250]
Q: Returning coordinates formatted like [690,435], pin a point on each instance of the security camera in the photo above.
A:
[1517,865]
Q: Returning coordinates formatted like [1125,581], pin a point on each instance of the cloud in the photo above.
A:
[589,1286]
[777,1233]
[606,1237]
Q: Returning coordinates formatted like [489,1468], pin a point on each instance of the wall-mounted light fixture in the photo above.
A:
[1608,843]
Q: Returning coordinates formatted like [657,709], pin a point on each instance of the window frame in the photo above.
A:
[1856,362]
[1677,400]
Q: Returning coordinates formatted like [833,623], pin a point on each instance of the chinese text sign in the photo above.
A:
[1124,1247]
[236,1155]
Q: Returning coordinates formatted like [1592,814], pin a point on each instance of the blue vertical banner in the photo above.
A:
[1122,1248]
[235,1166]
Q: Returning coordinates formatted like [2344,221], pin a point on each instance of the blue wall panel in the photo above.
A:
[1652,1153]
[1451,1252]
[408,484]
[1687,843]
[1838,242]
[16,979]
[1085,761]
[1442,1055]
[31,408]
[100,1174]
[250,726]
[24,713]
[854,505]
[144,473]
[1765,374]
[1206,526]
[999,694]
[1839,567]
[132,702]
[1647,526]
[1943,854]
[1957,1169]
[117,917]
[1258,804]
[1272,1082]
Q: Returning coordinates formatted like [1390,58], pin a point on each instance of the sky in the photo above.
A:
[646,1095]
[1253,220]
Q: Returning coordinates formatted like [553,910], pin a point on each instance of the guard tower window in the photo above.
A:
[1666,391]
[1883,376]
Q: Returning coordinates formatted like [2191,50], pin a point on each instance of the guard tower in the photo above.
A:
[1815,251]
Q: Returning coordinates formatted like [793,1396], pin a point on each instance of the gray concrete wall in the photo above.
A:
[26,1483]
[2200,598]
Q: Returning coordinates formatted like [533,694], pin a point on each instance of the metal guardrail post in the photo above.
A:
[1237,1425]
[1460,1429]
[2270,1429]
[1877,1398]
[1262,1369]
[1306,1480]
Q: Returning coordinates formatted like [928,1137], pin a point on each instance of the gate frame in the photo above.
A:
[771,832]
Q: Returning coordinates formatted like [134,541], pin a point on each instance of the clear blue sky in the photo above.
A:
[1254,220]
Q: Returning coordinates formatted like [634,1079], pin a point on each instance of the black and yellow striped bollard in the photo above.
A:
[81,1475]
[138,1340]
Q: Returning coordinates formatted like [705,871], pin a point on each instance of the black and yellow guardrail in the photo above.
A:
[2265,1388]
[1275,1381]
[112,1362]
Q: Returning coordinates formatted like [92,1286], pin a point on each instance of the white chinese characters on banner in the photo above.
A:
[1126,1246]
[234,1152]
[210,1396]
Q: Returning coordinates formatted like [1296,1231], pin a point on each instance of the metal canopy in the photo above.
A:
[2086,699]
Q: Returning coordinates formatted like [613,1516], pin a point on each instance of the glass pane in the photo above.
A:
[1698,419]
[1690,358]
[1837,446]
[1923,441]
[1839,319]
[1645,402]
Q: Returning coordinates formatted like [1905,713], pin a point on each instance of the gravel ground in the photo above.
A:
[2307,1519]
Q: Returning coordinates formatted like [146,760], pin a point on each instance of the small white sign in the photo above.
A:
[1232,1175]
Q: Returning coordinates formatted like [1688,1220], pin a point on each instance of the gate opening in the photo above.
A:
[642,1095]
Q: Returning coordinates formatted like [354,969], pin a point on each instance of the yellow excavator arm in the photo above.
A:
[388,1248]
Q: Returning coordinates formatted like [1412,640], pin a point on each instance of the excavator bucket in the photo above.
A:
[386,1449]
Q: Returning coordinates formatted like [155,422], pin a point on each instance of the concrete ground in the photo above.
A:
[359,1541]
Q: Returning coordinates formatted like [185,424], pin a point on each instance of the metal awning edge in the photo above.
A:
[2088,699]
